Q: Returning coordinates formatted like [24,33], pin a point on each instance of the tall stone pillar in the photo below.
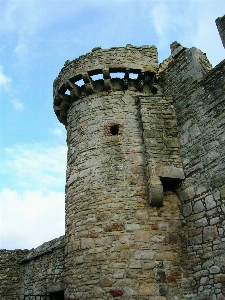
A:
[122,217]
[220,23]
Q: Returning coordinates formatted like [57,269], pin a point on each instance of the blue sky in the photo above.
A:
[36,38]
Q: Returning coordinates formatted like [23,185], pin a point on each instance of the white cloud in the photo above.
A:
[5,84]
[20,16]
[17,104]
[30,218]
[32,198]
[205,35]
[160,18]
[57,131]
[4,79]
[21,48]
[35,166]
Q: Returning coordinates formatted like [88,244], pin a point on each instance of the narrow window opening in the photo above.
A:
[114,130]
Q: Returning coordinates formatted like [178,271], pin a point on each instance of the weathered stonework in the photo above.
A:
[145,186]
[198,93]
[10,273]
[220,23]
[43,268]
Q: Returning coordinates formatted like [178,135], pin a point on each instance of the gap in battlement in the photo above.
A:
[97,77]
[79,82]
[133,75]
[117,75]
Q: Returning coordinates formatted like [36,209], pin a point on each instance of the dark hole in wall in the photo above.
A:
[114,129]
[154,90]
[57,295]
[170,184]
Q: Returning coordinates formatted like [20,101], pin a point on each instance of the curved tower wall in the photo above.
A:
[122,229]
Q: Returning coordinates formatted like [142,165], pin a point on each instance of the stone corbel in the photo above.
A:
[107,79]
[88,83]
[155,191]
[155,185]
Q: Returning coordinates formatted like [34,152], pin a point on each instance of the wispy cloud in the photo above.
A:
[36,166]
[57,131]
[6,85]
[30,218]
[4,79]
[17,104]
[160,17]
[204,34]
[21,48]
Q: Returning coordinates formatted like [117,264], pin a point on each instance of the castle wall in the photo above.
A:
[42,269]
[10,273]
[199,101]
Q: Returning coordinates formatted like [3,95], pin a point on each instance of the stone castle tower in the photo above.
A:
[145,187]
[122,148]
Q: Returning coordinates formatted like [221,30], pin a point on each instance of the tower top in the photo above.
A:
[130,59]
[220,23]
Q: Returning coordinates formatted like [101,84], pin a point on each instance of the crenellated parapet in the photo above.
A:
[138,66]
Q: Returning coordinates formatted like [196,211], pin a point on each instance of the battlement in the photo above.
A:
[138,65]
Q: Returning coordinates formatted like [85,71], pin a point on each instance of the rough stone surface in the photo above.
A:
[198,94]
[220,23]
[10,273]
[42,269]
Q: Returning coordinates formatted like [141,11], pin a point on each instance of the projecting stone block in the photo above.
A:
[170,172]
[155,192]
[145,254]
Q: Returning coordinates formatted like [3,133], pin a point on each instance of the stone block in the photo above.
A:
[210,202]
[132,227]
[155,193]
[147,289]
[144,254]
[187,209]
[135,264]
[198,207]
[87,243]
[187,194]
[164,256]
[209,233]
[170,172]
[142,236]
[130,291]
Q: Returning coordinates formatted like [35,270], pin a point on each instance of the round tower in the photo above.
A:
[122,217]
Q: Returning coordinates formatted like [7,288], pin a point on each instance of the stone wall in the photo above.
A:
[10,273]
[116,243]
[200,108]
[42,269]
